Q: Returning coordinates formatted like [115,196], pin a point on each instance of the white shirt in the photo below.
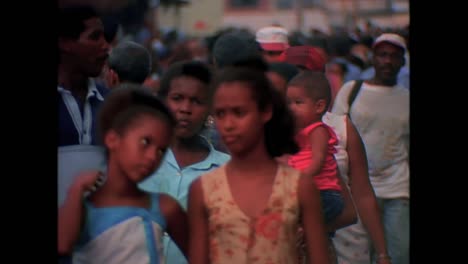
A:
[338,124]
[381,116]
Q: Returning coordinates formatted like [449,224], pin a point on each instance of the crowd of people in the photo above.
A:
[241,147]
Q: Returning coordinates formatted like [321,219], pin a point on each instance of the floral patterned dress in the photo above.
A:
[270,238]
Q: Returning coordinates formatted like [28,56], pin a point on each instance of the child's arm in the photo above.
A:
[313,221]
[176,219]
[71,213]
[198,225]
[362,190]
[319,142]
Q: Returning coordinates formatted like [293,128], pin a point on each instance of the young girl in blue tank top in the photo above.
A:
[107,218]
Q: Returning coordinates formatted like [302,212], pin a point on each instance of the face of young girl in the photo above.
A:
[189,101]
[238,118]
[302,107]
[139,149]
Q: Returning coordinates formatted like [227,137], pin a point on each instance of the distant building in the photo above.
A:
[202,17]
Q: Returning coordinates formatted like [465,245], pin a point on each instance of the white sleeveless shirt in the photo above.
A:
[338,124]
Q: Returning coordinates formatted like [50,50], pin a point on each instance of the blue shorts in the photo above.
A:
[64,260]
[332,205]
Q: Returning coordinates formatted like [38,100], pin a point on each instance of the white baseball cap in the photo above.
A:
[272,38]
[391,38]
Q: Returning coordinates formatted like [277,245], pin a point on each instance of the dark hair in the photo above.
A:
[233,47]
[339,45]
[179,52]
[279,130]
[131,61]
[316,85]
[286,70]
[111,27]
[126,103]
[340,62]
[320,42]
[71,20]
[194,69]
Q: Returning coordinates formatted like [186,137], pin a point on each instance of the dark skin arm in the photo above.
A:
[198,225]
[362,190]
[348,216]
[177,221]
[319,142]
[313,221]
[72,213]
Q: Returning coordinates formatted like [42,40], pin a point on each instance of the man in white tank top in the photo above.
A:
[380,113]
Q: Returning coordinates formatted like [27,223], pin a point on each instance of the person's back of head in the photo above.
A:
[339,45]
[179,52]
[306,58]
[315,84]
[131,62]
[320,42]
[233,47]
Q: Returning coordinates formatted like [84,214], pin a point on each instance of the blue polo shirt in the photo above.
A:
[77,122]
[175,181]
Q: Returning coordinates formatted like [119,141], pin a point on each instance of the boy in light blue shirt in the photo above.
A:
[174,180]
[186,91]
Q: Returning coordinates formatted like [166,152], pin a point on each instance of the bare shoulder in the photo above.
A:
[321,129]
[320,134]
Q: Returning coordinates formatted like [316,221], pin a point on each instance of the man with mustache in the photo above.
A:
[380,113]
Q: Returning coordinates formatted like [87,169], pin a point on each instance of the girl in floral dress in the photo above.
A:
[248,210]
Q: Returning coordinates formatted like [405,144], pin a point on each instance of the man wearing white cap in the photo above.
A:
[403,77]
[274,41]
[380,112]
